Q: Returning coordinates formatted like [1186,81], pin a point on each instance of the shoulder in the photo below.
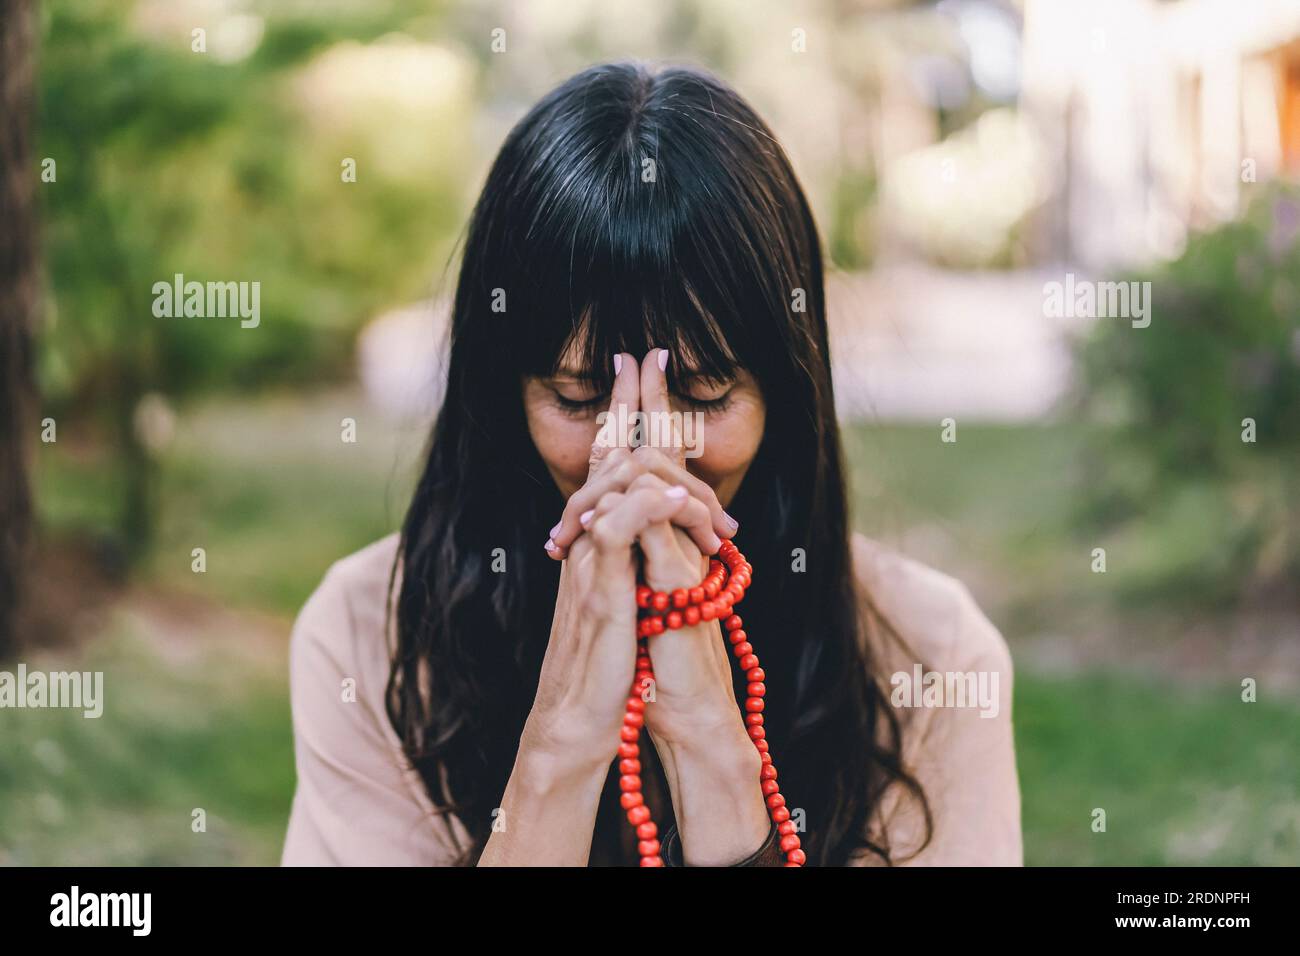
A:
[342,631]
[350,601]
[354,580]
[339,637]
[358,800]
[950,674]
[932,613]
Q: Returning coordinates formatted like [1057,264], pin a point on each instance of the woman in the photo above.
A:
[641,245]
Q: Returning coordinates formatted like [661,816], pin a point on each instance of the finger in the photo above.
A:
[667,566]
[656,403]
[694,518]
[616,423]
[627,470]
[616,525]
[616,474]
[654,461]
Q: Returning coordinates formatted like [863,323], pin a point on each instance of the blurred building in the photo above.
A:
[1159,117]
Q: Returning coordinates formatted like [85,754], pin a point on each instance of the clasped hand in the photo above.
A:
[640,510]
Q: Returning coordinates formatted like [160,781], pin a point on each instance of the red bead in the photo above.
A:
[724,585]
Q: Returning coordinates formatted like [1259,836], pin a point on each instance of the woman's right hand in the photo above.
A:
[572,732]
[590,660]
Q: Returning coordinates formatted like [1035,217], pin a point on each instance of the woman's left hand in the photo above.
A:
[709,760]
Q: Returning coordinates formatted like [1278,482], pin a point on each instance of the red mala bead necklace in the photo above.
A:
[713,598]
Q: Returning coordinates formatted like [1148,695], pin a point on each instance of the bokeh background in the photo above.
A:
[959,154]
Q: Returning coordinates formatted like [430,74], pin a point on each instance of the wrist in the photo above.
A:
[717,796]
[552,752]
[721,749]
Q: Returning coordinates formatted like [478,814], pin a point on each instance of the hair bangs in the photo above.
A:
[618,279]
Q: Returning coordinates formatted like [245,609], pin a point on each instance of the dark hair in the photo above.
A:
[626,210]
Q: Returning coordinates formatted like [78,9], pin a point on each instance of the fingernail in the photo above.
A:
[584,519]
[717,545]
[677,491]
[731,522]
[556,530]
[663,359]
[618,362]
[550,545]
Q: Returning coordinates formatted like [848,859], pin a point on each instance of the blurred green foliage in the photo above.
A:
[1179,399]
[173,161]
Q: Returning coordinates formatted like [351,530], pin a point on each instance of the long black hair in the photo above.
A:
[631,209]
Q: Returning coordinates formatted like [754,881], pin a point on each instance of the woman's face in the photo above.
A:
[726,418]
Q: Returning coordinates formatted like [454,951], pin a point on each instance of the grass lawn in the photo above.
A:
[1186,773]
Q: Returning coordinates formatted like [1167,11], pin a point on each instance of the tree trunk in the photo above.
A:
[19,296]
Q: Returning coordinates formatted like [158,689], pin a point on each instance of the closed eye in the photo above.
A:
[582,406]
[710,406]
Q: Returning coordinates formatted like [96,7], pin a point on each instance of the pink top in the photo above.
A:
[358,801]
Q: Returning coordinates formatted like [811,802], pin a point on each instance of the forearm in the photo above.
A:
[713,778]
[548,811]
